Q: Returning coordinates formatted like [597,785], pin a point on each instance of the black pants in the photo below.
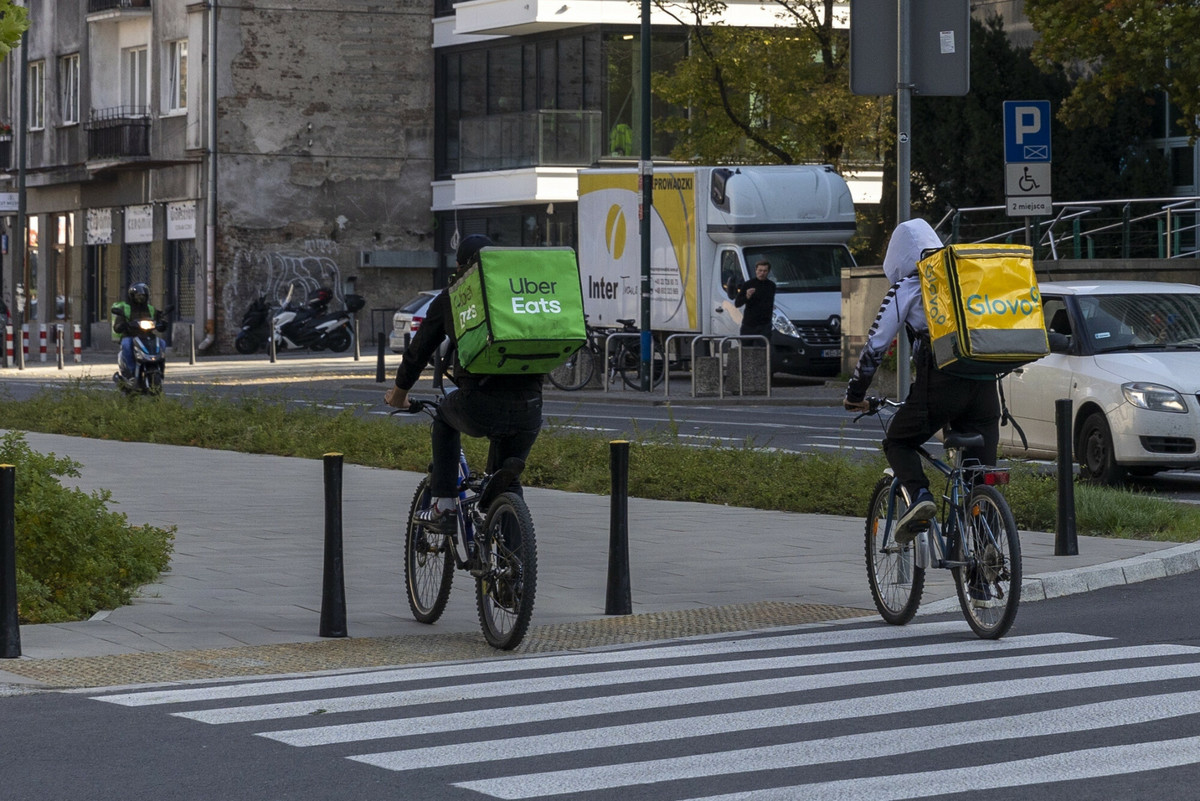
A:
[762,330]
[936,400]
[510,419]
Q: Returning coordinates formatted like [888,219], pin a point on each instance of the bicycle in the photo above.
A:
[624,360]
[494,541]
[974,535]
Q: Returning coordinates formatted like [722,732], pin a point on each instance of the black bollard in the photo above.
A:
[380,373]
[333,589]
[618,600]
[1065,542]
[10,630]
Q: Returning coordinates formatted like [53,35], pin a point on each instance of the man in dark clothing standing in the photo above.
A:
[758,296]
[507,409]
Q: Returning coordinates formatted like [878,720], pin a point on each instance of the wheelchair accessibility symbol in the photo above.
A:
[1027,179]
[1026,182]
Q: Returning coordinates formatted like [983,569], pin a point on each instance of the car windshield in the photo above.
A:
[1131,321]
[803,268]
[416,304]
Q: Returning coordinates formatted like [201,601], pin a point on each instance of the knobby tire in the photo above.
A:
[505,592]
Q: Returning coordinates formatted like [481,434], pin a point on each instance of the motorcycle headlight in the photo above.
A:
[146,325]
[1154,397]
[783,325]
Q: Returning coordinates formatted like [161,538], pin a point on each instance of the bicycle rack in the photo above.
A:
[616,335]
[667,356]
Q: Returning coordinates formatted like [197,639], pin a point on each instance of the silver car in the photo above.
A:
[1127,354]
[407,320]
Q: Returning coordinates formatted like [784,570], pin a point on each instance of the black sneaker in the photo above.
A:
[916,518]
[436,520]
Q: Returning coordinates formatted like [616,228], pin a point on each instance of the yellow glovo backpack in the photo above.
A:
[983,308]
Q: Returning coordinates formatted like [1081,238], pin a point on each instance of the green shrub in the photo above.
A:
[74,557]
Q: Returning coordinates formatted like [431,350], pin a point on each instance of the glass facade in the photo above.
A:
[562,100]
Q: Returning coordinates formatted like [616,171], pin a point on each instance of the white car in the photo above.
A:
[407,319]
[1127,354]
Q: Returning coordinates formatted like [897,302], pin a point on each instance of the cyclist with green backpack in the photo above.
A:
[505,408]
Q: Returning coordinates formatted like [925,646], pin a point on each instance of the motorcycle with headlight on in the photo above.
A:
[149,360]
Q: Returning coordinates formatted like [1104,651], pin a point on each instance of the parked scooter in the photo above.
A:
[149,362]
[313,327]
[254,323]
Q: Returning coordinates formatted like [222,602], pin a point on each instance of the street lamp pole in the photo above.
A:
[646,185]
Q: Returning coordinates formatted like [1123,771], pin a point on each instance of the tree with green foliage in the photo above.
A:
[14,21]
[958,142]
[1118,48]
[768,95]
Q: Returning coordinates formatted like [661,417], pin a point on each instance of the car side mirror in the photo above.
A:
[1059,343]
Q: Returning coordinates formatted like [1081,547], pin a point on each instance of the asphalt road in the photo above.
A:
[1095,696]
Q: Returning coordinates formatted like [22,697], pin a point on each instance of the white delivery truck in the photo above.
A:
[709,227]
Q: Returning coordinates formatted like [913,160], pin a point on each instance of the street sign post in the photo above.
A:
[1027,157]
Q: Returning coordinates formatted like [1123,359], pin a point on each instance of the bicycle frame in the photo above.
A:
[932,545]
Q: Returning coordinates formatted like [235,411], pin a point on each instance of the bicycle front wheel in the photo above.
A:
[989,588]
[575,372]
[504,593]
[428,563]
[896,580]
[629,364]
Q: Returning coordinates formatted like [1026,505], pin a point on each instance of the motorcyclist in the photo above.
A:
[507,409]
[125,316]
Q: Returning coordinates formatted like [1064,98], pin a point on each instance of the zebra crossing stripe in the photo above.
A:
[572,681]
[562,710]
[471,672]
[870,745]
[749,720]
[1090,763]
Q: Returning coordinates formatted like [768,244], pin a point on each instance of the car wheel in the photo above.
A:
[1097,463]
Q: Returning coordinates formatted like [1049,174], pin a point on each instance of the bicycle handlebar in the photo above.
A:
[875,405]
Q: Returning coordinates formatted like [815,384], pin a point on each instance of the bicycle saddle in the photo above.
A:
[957,439]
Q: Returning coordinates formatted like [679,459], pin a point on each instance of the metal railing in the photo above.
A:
[108,5]
[1131,228]
[529,139]
[119,132]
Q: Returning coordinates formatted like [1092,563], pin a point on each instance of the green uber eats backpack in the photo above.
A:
[519,311]
[983,308]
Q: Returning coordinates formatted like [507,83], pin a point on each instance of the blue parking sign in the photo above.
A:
[1026,131]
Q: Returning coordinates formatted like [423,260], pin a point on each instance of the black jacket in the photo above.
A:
[759,308]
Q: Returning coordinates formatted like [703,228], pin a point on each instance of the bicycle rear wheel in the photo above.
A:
[575,372]
[989,589]
[896,580]
[428,563]
[505,592]
[629,364]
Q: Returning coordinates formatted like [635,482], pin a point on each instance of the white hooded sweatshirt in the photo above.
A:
[901,305]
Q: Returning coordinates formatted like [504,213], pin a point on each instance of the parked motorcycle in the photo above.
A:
[253,331]
[313,327]
[149,362]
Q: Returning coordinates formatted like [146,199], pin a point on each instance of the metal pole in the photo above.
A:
[380,369]
[10,630]
[333,589]
[646,181]
[618,598]
[1065,541]
[903,163]
[19,233]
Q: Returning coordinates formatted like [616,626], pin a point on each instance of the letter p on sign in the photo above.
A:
[1026,131]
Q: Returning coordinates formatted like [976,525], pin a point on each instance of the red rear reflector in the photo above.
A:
[416,323]
[992,479]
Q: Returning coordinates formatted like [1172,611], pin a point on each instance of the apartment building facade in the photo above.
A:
[217,152]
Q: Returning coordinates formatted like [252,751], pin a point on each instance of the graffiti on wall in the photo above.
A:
[281,276]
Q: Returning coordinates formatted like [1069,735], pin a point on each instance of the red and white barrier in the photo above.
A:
[9,356]
[41,343]
[25,341]
[78,344]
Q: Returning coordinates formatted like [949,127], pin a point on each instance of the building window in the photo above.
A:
[37,95]
[68,76]
[177,56]
[135,81]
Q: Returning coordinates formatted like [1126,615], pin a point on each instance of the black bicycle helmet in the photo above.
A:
[139,293]
[469,247]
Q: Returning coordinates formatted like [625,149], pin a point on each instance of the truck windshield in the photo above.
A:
[802,268]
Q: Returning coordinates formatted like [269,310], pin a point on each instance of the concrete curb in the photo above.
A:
[1057,584]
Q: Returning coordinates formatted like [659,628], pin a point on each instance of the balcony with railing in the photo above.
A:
[96,6]
[529,139]
[122,132]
